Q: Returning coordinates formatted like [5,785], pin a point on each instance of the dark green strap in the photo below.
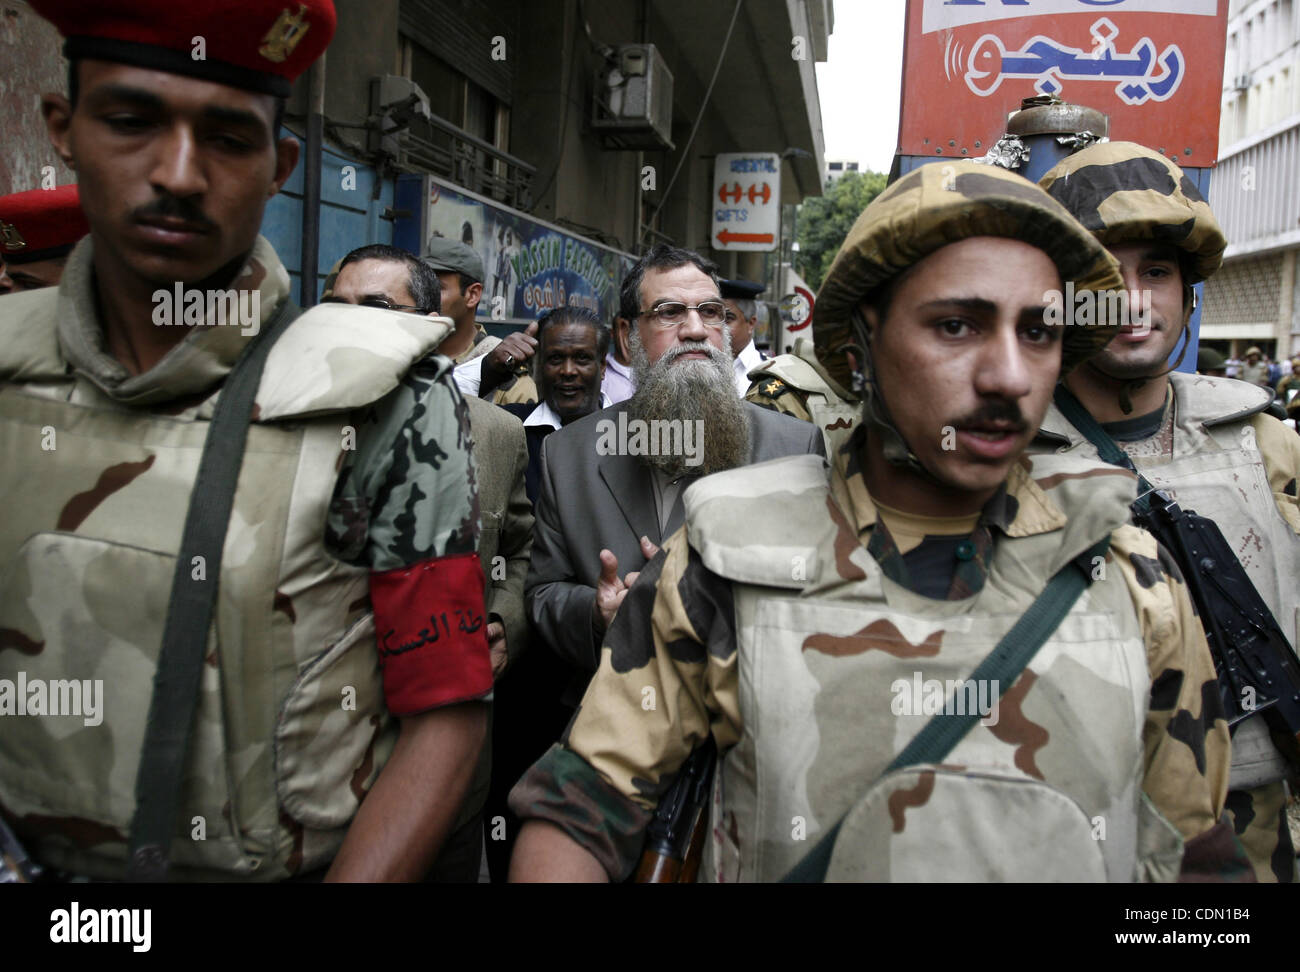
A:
[189,612]
[1091,430]
[1004,664]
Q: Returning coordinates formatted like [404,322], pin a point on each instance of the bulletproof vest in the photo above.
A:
[1217,470]
[838,670]
[830,412]
[291,728]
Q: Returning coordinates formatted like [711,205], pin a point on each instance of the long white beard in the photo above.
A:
[689,390]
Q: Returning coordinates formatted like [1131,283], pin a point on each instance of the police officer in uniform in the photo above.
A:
[807,657]
[347,652]
[1210,362]
[740,296]
[38,229]
[1204,439]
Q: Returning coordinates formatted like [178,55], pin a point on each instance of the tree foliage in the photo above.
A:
[824,221]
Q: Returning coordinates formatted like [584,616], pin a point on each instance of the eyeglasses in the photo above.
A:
[671,313]
[378,302]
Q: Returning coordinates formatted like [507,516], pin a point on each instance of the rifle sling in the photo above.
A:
[1003,664]
[189,611]
[1107,450]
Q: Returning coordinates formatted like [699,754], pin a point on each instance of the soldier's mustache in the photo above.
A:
[170,207]
[995,413]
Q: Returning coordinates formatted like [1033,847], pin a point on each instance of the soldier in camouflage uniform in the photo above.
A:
[797,649]
[347,650]
[1205,440]
[1288,389]
[797,385]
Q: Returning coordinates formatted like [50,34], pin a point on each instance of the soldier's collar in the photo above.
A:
[195,365]
[1020,507]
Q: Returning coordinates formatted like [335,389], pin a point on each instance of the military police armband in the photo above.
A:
[431,630]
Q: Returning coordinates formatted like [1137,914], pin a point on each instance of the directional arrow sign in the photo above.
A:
[747,215]
[726,238]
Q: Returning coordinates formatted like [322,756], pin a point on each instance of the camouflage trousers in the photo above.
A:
[1259,817]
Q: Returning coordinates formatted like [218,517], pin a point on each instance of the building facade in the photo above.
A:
[1256,187]
[591,121]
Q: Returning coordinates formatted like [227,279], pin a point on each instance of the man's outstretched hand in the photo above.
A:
[610,591]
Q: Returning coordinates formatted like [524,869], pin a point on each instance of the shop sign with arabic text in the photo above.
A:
[1154,66]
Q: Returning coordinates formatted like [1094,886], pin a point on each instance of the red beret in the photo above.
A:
[40,224]
[258,45]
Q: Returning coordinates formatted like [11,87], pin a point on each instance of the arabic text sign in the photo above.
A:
[1157,74]
[746,201]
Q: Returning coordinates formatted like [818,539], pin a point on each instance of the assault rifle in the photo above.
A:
[1256,664]
[675,837]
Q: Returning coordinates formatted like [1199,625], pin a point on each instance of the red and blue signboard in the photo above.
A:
[1154,66]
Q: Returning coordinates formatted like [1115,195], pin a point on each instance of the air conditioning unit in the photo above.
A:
[633,99]
[1241,82]
[395,103]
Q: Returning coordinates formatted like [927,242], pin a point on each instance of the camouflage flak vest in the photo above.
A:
[831,654]
[291,729]
[831,413]
[1218,471]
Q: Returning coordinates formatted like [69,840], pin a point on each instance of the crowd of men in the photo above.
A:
[379,596]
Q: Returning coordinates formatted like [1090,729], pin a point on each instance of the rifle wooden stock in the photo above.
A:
[658,867]
[675,837]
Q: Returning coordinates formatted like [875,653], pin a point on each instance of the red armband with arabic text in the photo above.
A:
[431,629]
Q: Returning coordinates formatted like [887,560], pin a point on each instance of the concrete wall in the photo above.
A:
[592,189]
[30,52]
[364,46]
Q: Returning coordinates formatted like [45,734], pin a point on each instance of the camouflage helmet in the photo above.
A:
[1126,193]
[934,206]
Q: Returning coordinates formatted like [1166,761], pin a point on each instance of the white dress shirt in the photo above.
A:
[749,357]
[618,383]
[543,414]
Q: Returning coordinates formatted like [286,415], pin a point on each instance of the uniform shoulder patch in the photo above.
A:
[773,387]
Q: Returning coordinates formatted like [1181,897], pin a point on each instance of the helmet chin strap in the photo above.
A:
[1129,386]
[896,450]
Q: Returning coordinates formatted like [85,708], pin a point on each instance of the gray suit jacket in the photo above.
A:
[501,455]
[587,501]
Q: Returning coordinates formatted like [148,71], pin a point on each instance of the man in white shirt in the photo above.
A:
[619,383]
[571,353]
[742,315]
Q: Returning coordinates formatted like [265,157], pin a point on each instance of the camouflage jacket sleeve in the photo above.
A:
[519,390]
[1185,736]
[667,678]
[406,506]
[772,393]
[407,491]
[1280,449]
